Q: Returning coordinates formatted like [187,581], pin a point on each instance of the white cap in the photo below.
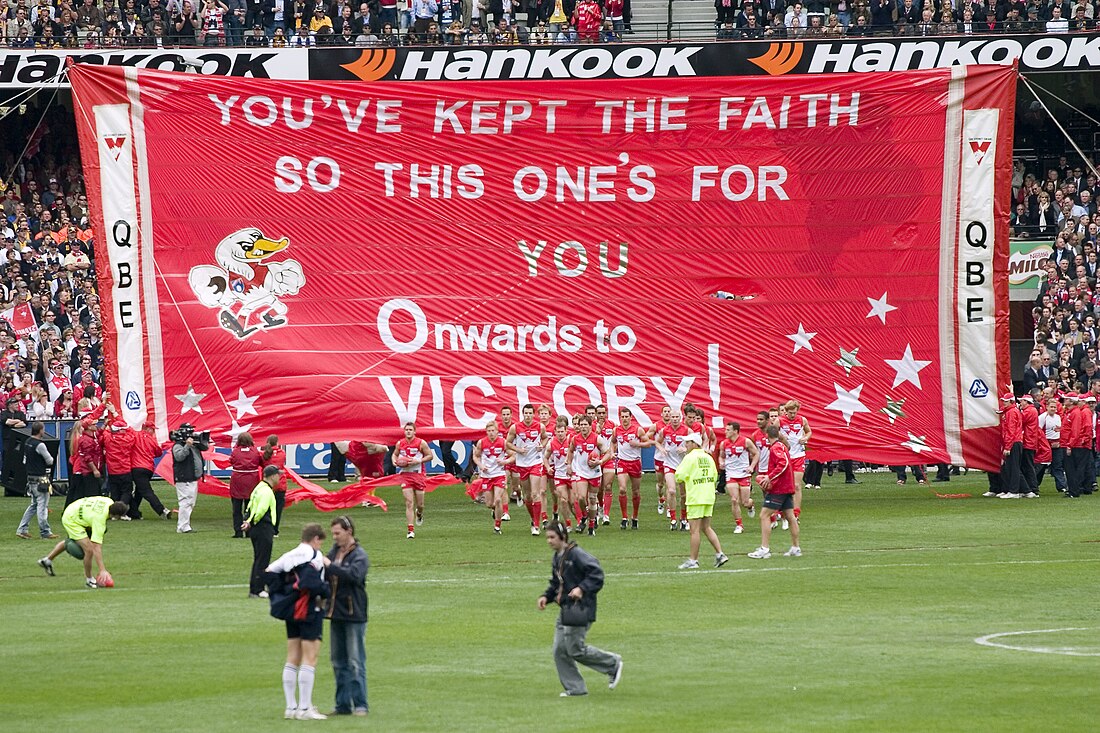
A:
[694,438]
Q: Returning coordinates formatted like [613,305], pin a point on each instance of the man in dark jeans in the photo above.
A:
[260,528]
[346,566]
[576,578]
[11,419]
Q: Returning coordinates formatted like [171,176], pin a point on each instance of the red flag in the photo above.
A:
[21,319]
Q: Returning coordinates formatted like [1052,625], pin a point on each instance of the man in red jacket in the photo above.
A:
[1032,437]
[143,453]
[118,442]
[1070,438]
[87,464]
[778,488]
[1012,446]
[1088,443]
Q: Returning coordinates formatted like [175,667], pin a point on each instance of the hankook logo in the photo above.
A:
[372,65]
[780,58]
[548,63]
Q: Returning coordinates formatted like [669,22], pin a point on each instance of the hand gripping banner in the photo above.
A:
[330,260]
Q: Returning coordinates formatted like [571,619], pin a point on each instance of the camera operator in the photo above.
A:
[187,469]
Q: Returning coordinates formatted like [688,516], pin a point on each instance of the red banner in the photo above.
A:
[331,260]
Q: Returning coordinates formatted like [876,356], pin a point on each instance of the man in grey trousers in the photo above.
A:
[576,579]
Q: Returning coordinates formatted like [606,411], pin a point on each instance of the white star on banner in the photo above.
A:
[847,403]
[907,368]
[243,404]
[879,307]
[916,443]
[236,430]
[802,339]
[190,400]
[848,360]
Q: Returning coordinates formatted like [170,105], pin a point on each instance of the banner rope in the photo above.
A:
[1072,142]
[30,138]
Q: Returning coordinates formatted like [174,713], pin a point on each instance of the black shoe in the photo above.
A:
[591,531]
[634,524]
[237,537]
[851,481]
[941,480]
[622,524]
[1068,495]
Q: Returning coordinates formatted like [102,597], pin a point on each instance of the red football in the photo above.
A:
[402,461]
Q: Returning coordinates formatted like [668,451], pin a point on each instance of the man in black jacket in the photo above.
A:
[576,578]
[347,565]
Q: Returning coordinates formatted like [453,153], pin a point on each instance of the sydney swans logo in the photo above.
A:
[246,285]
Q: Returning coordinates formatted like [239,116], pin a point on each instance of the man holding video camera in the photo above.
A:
[187,469]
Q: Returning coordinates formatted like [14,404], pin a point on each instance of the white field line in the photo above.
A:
[764,566]
[1068,651]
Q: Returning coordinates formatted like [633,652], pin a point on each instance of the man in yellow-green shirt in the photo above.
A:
[698,475]
[259,525]
[85,521]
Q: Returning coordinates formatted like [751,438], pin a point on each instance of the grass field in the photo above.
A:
[872,630]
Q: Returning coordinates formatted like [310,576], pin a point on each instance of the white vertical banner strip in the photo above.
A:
[149,296]
[948,244]
[114,138]
[975,301]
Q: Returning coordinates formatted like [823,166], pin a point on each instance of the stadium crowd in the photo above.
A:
[754,19]
[1053,425]
[91,24]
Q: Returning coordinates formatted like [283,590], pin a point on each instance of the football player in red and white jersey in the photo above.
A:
[672,436]
[504,424]
[547,433]
[409,457]
[491,455]
[797,430]
[587,453]
[366,457]
[659,456]
[525,439]
[739,459]
[556,461]
[629,441]
[760,440]
[606,430]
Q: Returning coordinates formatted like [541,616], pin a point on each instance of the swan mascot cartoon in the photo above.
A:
[246,285]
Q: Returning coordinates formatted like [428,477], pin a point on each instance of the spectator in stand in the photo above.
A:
[751,29]
[1057,24]
[613,11]
[566,33]
[727,11]
[540,36]
[587,19]
[909,13]
[882,14]
[89,17]
[389,36]
[424,12]
[796,13]
[319,21]
[186,25]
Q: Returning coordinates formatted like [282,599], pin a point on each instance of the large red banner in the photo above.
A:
[330,260]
